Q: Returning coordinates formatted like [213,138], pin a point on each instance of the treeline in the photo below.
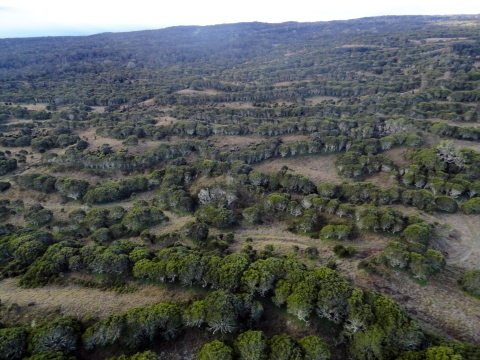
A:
[305,292]
[41,141]
[39,258]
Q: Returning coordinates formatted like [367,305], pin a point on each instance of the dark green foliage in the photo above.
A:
[215,350]
[446,203]
[221,218]
[147,355]
[108,192]
[251,345]
[102,235]
[40,182]
[471,206]
[195,230]
[7,165]
[136,328]
[419,233]
[4,186]
[142,216]
[58,335]
[13,343]
[314,348]
[51,355]
[283,347]
[343,251]
[72,188]
[470,282]
[38,216]
[311,252]
[54,261]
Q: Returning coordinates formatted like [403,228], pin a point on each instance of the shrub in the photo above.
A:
[470,282]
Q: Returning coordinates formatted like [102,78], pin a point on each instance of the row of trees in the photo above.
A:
[256,345]
[305,292]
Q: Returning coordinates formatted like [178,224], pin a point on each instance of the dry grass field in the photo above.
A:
[317,168]
[84,302]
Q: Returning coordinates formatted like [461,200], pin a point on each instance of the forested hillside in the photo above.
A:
[245,191]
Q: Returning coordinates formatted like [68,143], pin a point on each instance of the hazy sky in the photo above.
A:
[21,18]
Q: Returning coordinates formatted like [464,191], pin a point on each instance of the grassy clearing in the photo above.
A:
[318,169]
[85,302]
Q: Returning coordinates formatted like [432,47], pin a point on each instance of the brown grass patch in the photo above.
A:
[195,92]
[176,222]
[349,46]
[440,307]
[294,138]
[98,109]
[235,105]
[383,180]
[36,107]
[317,168]
[17,121]
[165,120]
[226,142]
[285,83]
[319,99]
[148,102]
[83,302]
[397,155]
[436,40]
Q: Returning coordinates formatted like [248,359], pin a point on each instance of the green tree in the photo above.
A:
[251,345]
[72,188]
[470,282]
[446,203]
[215,350]
[13,343]
[418,266]
[283,347]
[420,233]
[58,335]
[147,355]
[222,311]
[314,348]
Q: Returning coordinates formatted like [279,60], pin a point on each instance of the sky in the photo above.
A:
[31,18]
